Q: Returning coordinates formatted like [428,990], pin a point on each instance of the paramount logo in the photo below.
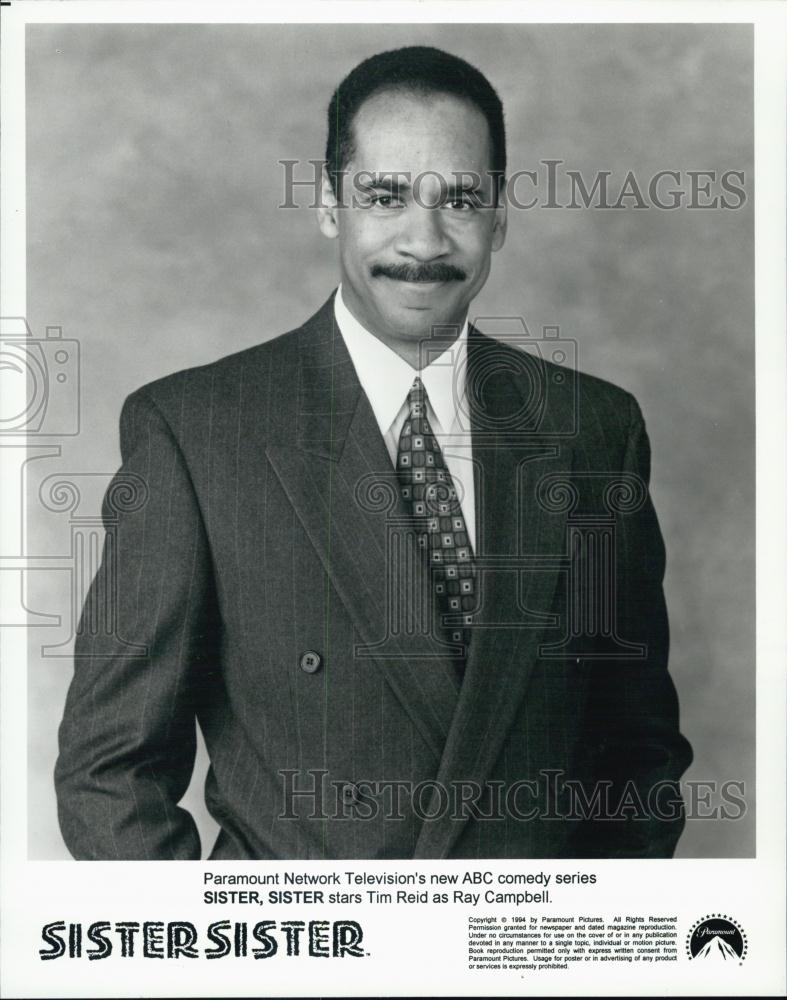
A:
[717,948]
[717,937]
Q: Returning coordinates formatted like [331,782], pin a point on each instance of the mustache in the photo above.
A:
[437,271]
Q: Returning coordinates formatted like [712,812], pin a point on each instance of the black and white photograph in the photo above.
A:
[385,452]
[259,583]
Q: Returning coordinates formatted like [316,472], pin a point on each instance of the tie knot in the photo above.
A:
[417,399]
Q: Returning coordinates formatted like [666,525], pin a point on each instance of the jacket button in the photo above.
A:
[310,661]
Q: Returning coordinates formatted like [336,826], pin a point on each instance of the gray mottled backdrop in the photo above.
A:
[154,238]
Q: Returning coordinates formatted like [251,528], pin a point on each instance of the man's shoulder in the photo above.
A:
[226,376]
[561,394]
[595,390]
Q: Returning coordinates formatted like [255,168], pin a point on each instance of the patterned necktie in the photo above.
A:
[429,492]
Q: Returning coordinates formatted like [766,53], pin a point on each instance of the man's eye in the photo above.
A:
[385,201]
[460,204]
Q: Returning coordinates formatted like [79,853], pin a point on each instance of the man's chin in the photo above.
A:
[416,324]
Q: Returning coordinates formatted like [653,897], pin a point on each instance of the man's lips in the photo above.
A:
[424,286]
[418,295]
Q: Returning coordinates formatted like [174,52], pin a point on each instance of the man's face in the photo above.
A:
[416,229]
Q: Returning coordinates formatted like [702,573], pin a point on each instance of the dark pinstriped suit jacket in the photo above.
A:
[262,536]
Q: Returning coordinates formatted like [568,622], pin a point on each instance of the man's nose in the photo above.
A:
[422,235]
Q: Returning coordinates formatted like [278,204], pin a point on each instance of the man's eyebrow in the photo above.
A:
[398,183]
[391,182]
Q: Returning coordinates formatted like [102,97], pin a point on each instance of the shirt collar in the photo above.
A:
[386,378]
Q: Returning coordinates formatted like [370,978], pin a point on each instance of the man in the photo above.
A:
[407,578]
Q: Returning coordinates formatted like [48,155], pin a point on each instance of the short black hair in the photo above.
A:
[418,69]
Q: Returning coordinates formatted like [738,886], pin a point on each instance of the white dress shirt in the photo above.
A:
[387,379]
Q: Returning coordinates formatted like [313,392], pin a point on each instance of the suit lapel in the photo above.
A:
[514,446]
[339,478]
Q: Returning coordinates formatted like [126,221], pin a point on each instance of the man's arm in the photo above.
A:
[633,701]
[128,736]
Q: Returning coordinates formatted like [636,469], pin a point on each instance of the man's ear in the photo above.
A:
[328,209]
[501,223]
